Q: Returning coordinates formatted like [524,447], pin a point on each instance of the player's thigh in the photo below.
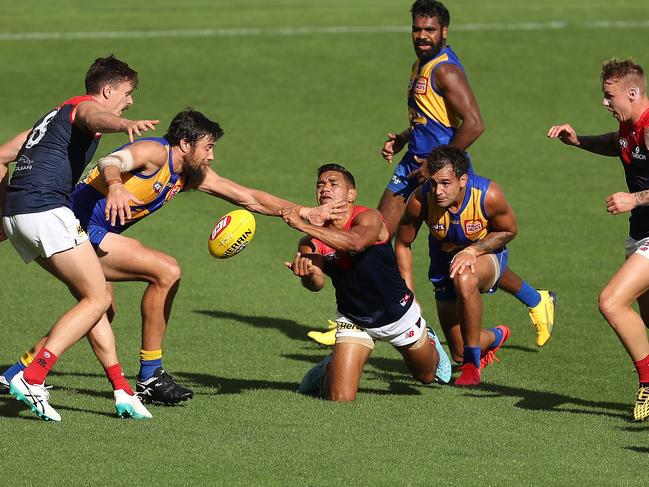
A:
[347,361]
[629,283]
[79,268]
[487,269]
[420,358]
[124,259]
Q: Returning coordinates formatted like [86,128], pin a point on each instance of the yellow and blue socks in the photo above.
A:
[21,364]
[529,296]
[150,360]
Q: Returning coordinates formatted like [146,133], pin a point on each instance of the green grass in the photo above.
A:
[555,416]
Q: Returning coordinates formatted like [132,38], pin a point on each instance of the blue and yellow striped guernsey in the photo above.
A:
[89,198]
[432,123]
[451,232]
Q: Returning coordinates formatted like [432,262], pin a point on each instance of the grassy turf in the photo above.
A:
[289,103]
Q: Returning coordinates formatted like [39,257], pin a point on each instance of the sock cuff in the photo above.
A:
[641,362]
[26,359]
[150,354]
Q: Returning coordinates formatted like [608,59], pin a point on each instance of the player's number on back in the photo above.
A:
[39,131]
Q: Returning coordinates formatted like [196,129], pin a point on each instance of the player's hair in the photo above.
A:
[616,69]
[191,125]
[338,168]
[109,70]
[431,8]
[445,155]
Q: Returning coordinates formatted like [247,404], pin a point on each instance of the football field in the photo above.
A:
[296,84]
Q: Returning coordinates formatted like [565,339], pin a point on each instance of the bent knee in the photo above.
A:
[608,304]
[341,394]
[465,283]
[168,272]
[427,378]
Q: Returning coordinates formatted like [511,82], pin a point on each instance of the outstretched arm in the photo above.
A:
[406,234]
[265,203]
[366,230]
[604,144]
[92,117]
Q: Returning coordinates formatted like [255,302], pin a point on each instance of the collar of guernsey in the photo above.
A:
[432,123]
[451,232]
[154,189]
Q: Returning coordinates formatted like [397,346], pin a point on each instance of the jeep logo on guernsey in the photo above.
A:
[220,225]
[472,226]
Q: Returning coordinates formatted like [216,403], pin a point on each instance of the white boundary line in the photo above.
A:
[296,31]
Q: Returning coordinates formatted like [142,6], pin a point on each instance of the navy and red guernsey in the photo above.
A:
[635,159]
[369,288]
[50,162]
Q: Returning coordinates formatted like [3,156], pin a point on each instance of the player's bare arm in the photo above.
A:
[604,144]
[265,203]
[395,144]
[502,230]
[145,156]
[621,202]
[95,119]
[409,225]
[307,265]
[452,82]
[367,229]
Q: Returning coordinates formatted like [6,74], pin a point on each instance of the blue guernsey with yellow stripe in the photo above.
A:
[451,232]
[155,190]
[432,123]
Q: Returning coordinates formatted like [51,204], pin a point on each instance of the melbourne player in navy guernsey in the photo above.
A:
[373,301]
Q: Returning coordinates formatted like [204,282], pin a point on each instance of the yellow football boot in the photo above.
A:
[542,316]
[641,408]
[327,338]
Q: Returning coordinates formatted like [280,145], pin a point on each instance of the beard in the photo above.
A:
[424,57]
[194,176]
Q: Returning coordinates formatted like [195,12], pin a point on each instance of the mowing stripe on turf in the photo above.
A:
[296,31]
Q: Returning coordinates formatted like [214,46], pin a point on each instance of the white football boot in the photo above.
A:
[36,396]
[128,406]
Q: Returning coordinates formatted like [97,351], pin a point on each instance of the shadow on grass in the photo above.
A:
[235,385]
[290,328]
[638,449]
[552,402]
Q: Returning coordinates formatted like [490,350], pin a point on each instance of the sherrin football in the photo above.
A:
[231,234]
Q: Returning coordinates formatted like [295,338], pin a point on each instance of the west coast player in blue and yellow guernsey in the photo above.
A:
[470,223]
[151,171]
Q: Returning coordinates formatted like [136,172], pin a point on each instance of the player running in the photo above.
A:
[470,224]
[153,171]
[624,85]
[373,301]
[41,226]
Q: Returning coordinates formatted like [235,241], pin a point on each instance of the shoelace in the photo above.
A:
[489,358]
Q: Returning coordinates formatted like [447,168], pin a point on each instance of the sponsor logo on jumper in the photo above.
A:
[636,154]
[421,85]
[472,226]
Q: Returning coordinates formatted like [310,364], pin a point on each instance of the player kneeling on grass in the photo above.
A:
[373,301]
[152,171]
[470,223]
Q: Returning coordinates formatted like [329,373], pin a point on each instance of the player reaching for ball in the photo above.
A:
[625,95]
[153,171]
[373,301]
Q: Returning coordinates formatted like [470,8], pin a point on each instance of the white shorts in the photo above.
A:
[44,233]
[407,330]
[633,246]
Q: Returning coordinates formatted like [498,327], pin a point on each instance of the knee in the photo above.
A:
[341,394]
[607,304]
[168,272]
[425,378]
[465,283]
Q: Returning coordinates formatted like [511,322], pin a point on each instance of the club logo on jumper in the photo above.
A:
[636,154]
[421,85]
[405,300]
[396,179]
[157,187]
[472,226]
[624,143]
